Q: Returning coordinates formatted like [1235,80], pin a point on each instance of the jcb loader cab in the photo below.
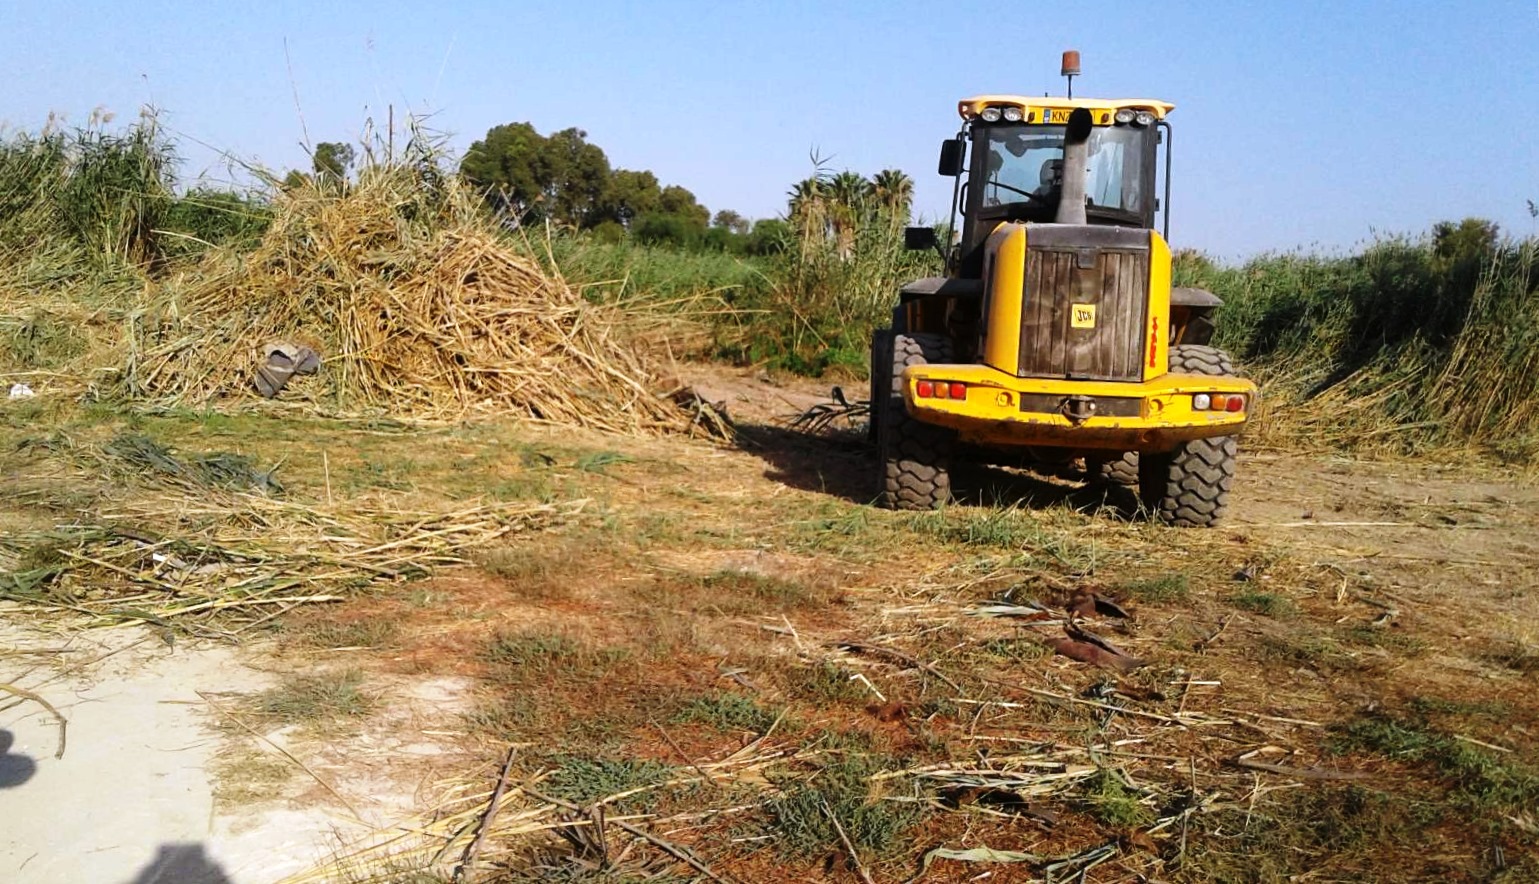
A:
[1056,332]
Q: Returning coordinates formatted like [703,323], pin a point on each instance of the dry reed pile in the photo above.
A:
[418,306]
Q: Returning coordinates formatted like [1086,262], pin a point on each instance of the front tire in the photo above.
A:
[1121,470]
[1189,486]
[915,456]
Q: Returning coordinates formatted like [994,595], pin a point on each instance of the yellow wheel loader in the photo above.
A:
[1055,332]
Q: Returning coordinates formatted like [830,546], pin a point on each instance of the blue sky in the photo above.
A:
[1298,124]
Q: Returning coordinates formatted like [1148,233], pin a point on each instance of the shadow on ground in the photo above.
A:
[184,863]
[843,463]
[14,769]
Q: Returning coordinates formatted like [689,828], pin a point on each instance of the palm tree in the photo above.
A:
[894,192]
[849,196]
[805,197]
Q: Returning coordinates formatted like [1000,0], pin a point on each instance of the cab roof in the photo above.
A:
[1032,107]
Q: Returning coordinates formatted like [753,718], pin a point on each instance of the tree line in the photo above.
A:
[564,179]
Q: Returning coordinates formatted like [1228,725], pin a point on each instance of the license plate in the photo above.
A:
[1056,114]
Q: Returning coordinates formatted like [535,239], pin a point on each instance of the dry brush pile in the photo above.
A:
[417,305]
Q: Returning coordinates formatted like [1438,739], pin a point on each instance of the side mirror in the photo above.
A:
[919,238]
[953,154]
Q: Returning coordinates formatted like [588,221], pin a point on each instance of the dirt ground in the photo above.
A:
[1336,684]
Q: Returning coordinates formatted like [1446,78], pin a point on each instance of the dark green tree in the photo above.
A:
[562,177]
[731,222]
[509,166]
[577,178]
[679,201]
[632,195]
[331,161]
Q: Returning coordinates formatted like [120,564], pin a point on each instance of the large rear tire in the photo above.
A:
[881,380]
[1189,487]
[916,456]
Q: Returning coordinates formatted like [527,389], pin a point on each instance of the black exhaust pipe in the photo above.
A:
[1076,162]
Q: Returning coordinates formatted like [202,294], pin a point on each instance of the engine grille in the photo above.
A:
[1105,269]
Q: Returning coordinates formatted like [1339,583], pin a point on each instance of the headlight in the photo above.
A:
[1144,118]
[1012,114]
[990,114]
[1124,116]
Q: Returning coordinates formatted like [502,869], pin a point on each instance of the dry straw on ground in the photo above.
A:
[202,544]
[419,306]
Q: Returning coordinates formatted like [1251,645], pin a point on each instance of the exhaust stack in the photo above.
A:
[1076,162]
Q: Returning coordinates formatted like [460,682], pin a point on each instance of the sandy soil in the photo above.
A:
[135,796]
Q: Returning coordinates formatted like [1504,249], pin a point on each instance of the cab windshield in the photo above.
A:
[1024,169]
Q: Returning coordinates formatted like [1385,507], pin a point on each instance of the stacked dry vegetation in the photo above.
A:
[113,286]
[419,304]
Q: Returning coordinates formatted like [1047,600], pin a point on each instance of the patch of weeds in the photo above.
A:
[1156,590]
[826,682]
[1014,649]
[1110,800]
[582,780]
[599,461]
[1479,777]
[506,718]
[371,632]
[1386,637]
[246,775]
[1347,830]
[539,569]
[536,485]
[1517,656]
[1493,709]
[803,814]
[726,712]
[1267,604]
[834,527]
[776,592]
[1386,737]
[540,651]
[1010,529]
[316,698]
[391,475]
[1304,651]
[1003,528]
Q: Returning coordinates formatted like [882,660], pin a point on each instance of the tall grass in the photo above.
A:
[1411,343]
[103,192]
[630,271]
[829,285]
[89,218]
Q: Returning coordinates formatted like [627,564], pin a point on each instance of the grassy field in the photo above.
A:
[725,646]
[695,650]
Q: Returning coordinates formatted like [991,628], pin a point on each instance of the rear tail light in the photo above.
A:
[1218,402]
[940,390]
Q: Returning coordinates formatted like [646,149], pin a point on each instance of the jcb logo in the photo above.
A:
[1082,316]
